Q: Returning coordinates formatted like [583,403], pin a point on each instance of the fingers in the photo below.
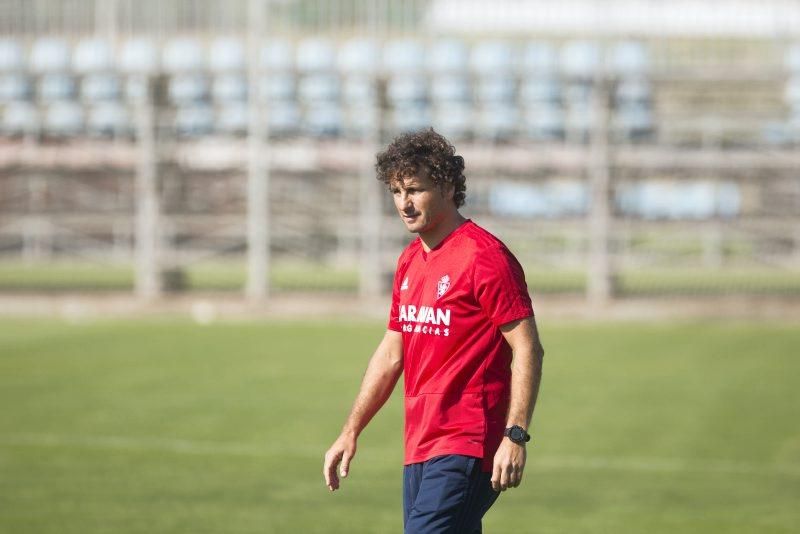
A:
[506,476]
[342,451]
[496,477]
[329,470]
[516,478]
[345,463]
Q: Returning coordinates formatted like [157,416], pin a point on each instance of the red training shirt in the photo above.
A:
[449,303]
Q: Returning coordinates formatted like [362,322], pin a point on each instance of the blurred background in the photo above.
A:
[195,255]
[620,149]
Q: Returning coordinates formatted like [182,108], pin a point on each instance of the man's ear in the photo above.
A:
[448,191]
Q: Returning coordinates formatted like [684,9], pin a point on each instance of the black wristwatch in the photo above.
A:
[517,434]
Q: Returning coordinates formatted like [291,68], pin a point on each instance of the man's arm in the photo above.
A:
[526,375]
[383,371]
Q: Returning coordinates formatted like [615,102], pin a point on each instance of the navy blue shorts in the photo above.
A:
[446,494]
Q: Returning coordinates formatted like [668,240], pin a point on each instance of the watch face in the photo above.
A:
[517,434]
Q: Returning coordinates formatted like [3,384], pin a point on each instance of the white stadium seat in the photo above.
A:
[12,57]
[49,54]
[403,56]
[358,56]
[139,56]
[448,56]
[316,55]
[182,55]
[93,55]
[227,54]
[276,55]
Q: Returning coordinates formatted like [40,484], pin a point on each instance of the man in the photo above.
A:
[462,329]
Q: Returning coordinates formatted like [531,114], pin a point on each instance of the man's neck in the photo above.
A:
[431,240]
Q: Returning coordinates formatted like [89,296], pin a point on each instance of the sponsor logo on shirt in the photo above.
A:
[428,320]
[404,285]
[442,286]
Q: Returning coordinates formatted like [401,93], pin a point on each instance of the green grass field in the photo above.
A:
[302,276]
[166,426]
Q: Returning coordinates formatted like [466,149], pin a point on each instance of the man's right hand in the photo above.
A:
[342,450]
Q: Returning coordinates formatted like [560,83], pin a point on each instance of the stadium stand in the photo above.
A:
[322,87]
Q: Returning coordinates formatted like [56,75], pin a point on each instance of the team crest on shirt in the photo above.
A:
[442,286]
[404,285]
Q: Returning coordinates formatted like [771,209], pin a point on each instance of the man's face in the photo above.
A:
[421,205]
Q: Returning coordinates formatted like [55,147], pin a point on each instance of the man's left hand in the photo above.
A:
[509,462]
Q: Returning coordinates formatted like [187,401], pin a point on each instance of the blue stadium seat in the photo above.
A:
[277,86]
[499,89]
[359,89]
[49,54]
[559,198]
[448,56]
[316,88]
[193,121]
[794,125]
[497,122]
[455,121]
[139,56]
[15,87]
[544,123]
[409,117]
[359,56]
[403,56]
[284,119]
[630,58]
[511,199]
[579,121]
[450,88]
[187,88]
[276,55]
[792,58]
[580,59]
[569,198]
[728,199]
[229,88]
[578,94]
[316,55]
[360,122]
[633,122]
[182,55]
[226,54]
[693,200]
[108,119]
[406,89]
[657,199]
[323,119]
[63,119]
[20,118]
[56,86]
[633,91]
[100,87]
[233,118]
[539,58]
[534,90]
[792,92]
[136,87]
[12,58]
[491,58]
[93,55]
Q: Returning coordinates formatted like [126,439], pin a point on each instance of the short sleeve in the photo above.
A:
[500,288]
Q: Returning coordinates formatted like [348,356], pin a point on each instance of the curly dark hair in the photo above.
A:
[424,151]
